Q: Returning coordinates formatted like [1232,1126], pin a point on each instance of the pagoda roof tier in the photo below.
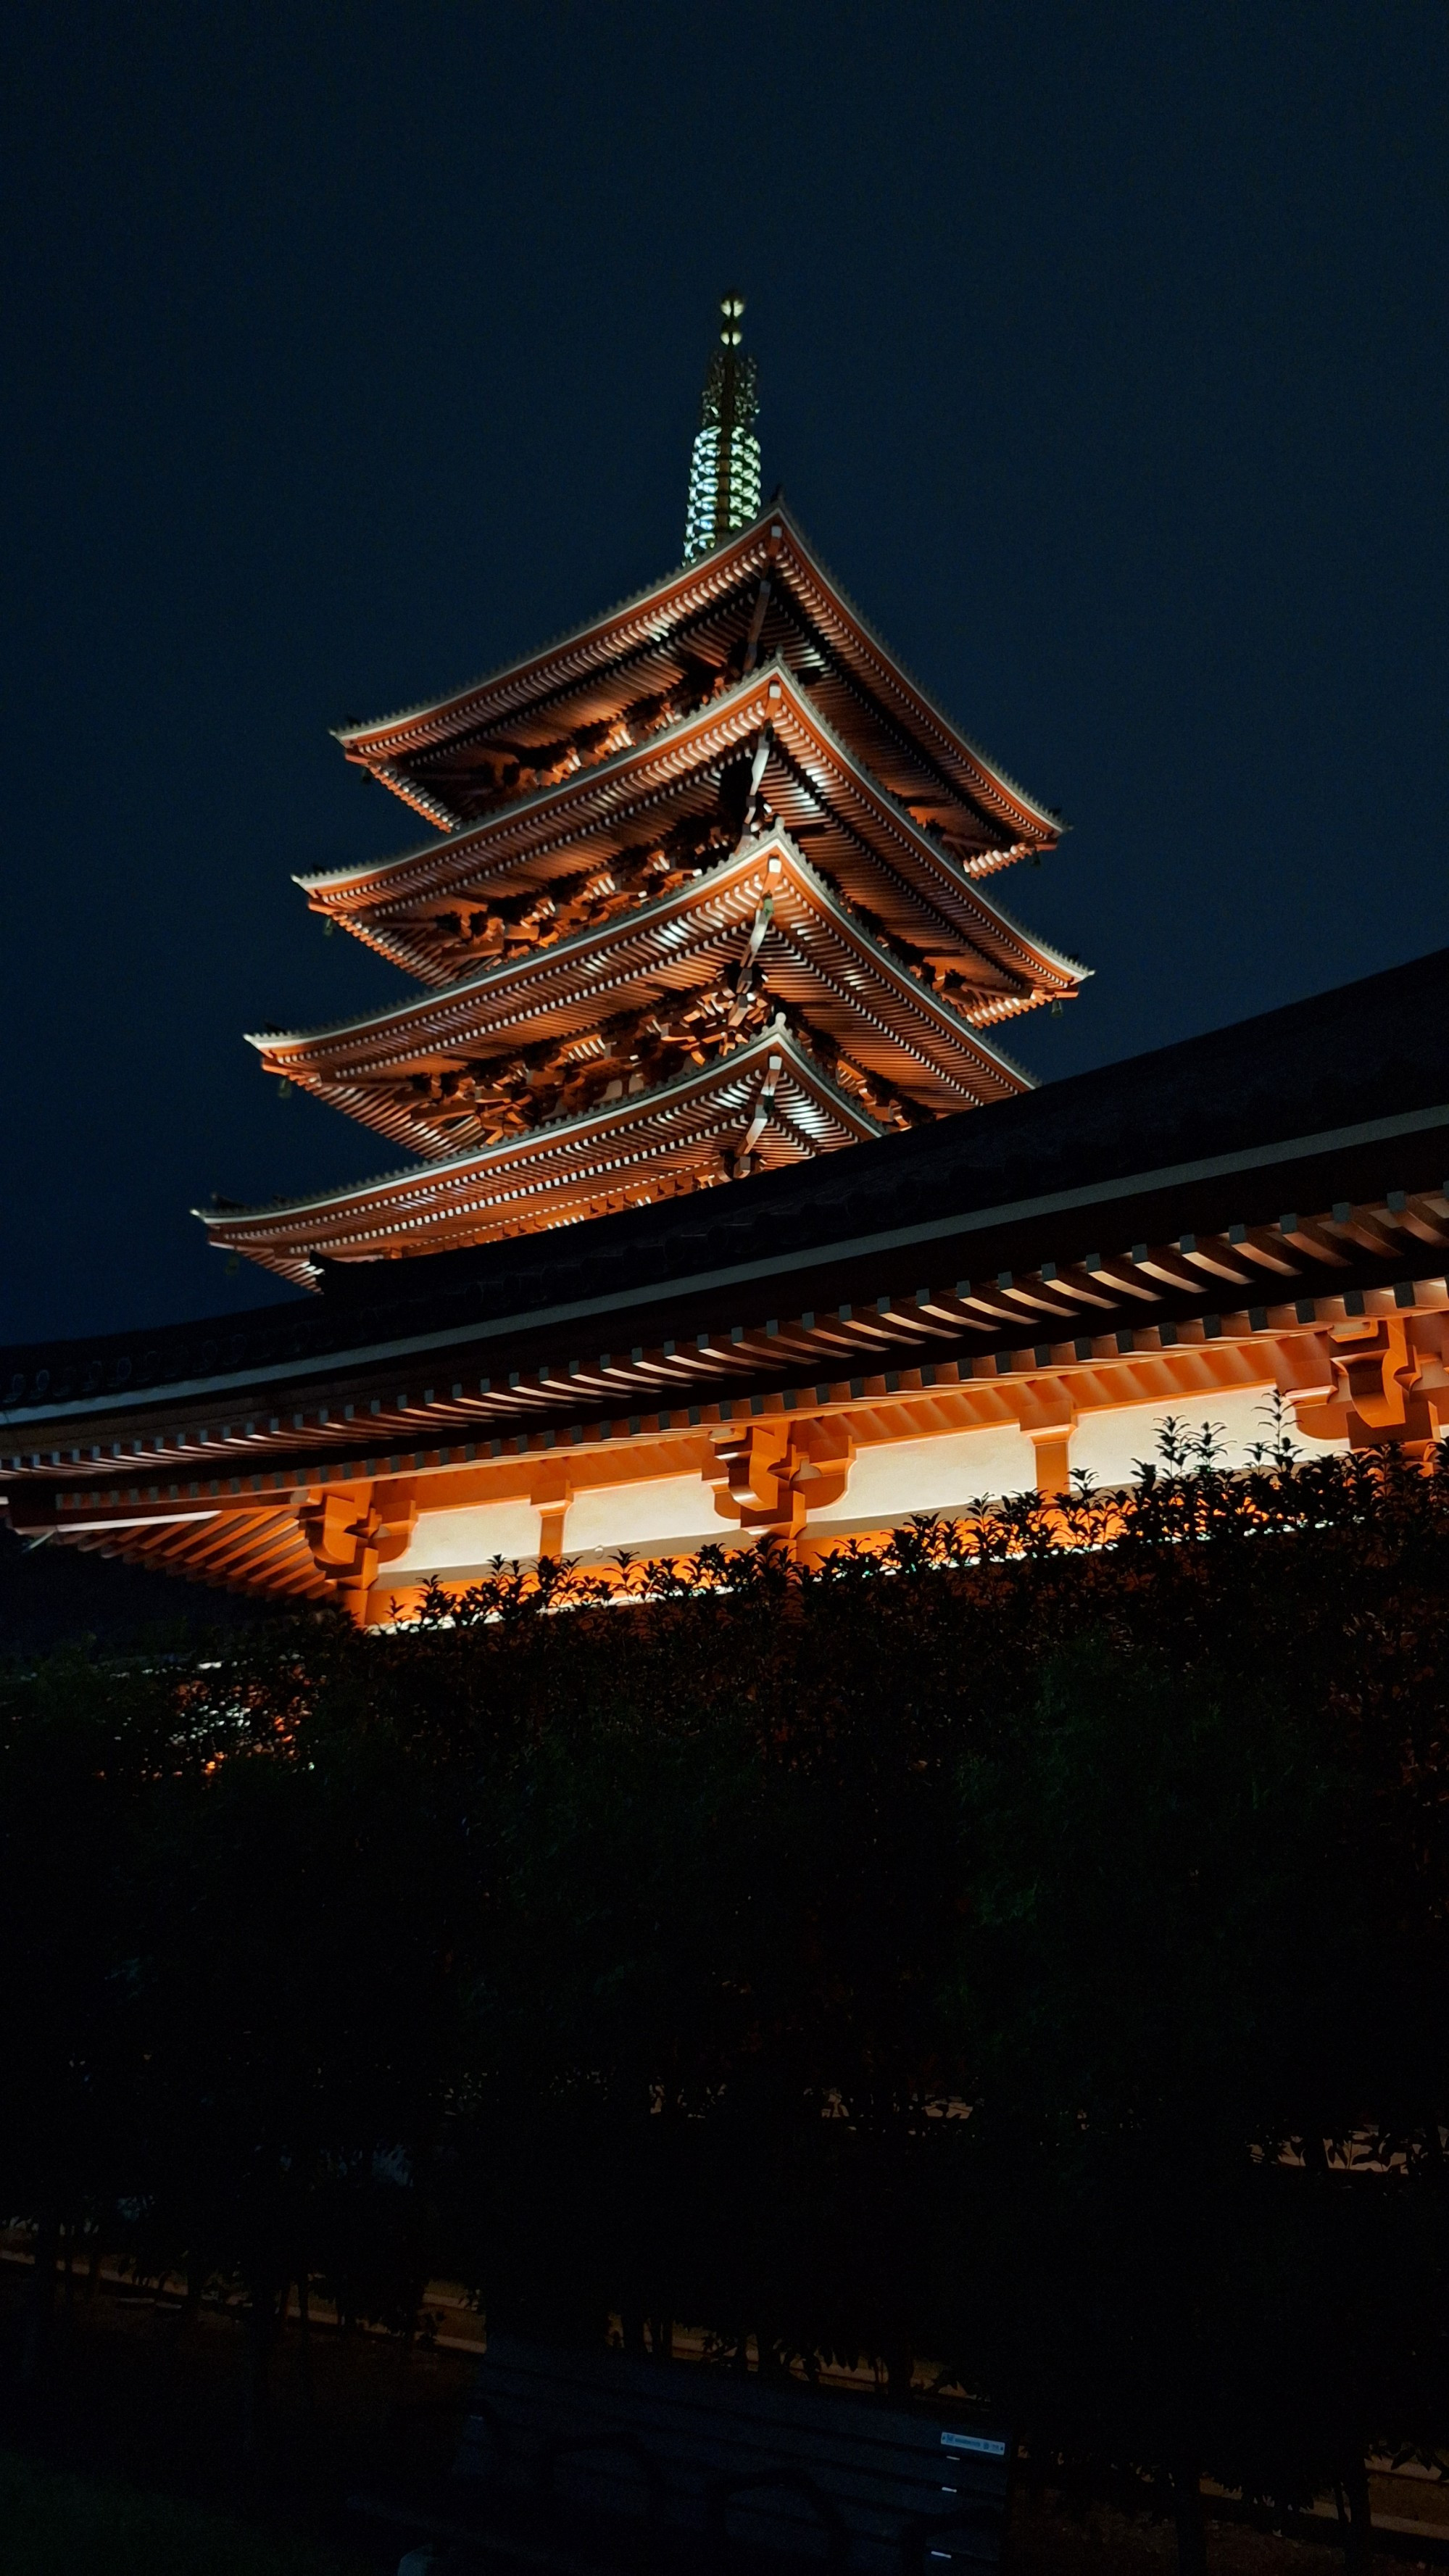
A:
[767,1105]
[762,592]
[683,976]
[602,839]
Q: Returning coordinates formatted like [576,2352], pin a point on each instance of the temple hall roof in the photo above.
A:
[1338,1097]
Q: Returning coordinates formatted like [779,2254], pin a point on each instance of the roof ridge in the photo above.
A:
[978,751]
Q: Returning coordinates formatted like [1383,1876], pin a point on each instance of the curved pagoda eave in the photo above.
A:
[768,1104]
[397,748]
[762,924]
[883,858]
[706,895]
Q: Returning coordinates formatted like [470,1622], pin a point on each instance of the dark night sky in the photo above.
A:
[357,349]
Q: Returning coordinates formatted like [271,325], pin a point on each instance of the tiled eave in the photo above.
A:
[815,953]
[538,1383]
[1183,1161]
[903,870]
[773,545]
[548,1175]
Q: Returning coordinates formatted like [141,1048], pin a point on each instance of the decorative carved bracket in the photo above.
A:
[349,1539]
[1389,1382]
[768,1475]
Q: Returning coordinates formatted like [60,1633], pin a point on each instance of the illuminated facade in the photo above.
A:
[709,893]
[976,1308]
[709,897]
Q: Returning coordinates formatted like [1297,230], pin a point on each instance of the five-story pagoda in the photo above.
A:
[708,895]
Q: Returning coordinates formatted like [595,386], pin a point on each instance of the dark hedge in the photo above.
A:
[1021,1953]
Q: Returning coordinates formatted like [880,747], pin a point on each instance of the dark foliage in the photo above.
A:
[1024,1950]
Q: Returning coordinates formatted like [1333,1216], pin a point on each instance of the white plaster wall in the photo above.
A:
[666,1515]
[1110,1443]
[464,1540]
[942,1473]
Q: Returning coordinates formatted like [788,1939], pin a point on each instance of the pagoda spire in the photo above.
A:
[724,473]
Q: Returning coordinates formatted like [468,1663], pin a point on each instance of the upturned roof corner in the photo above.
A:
[720,818]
